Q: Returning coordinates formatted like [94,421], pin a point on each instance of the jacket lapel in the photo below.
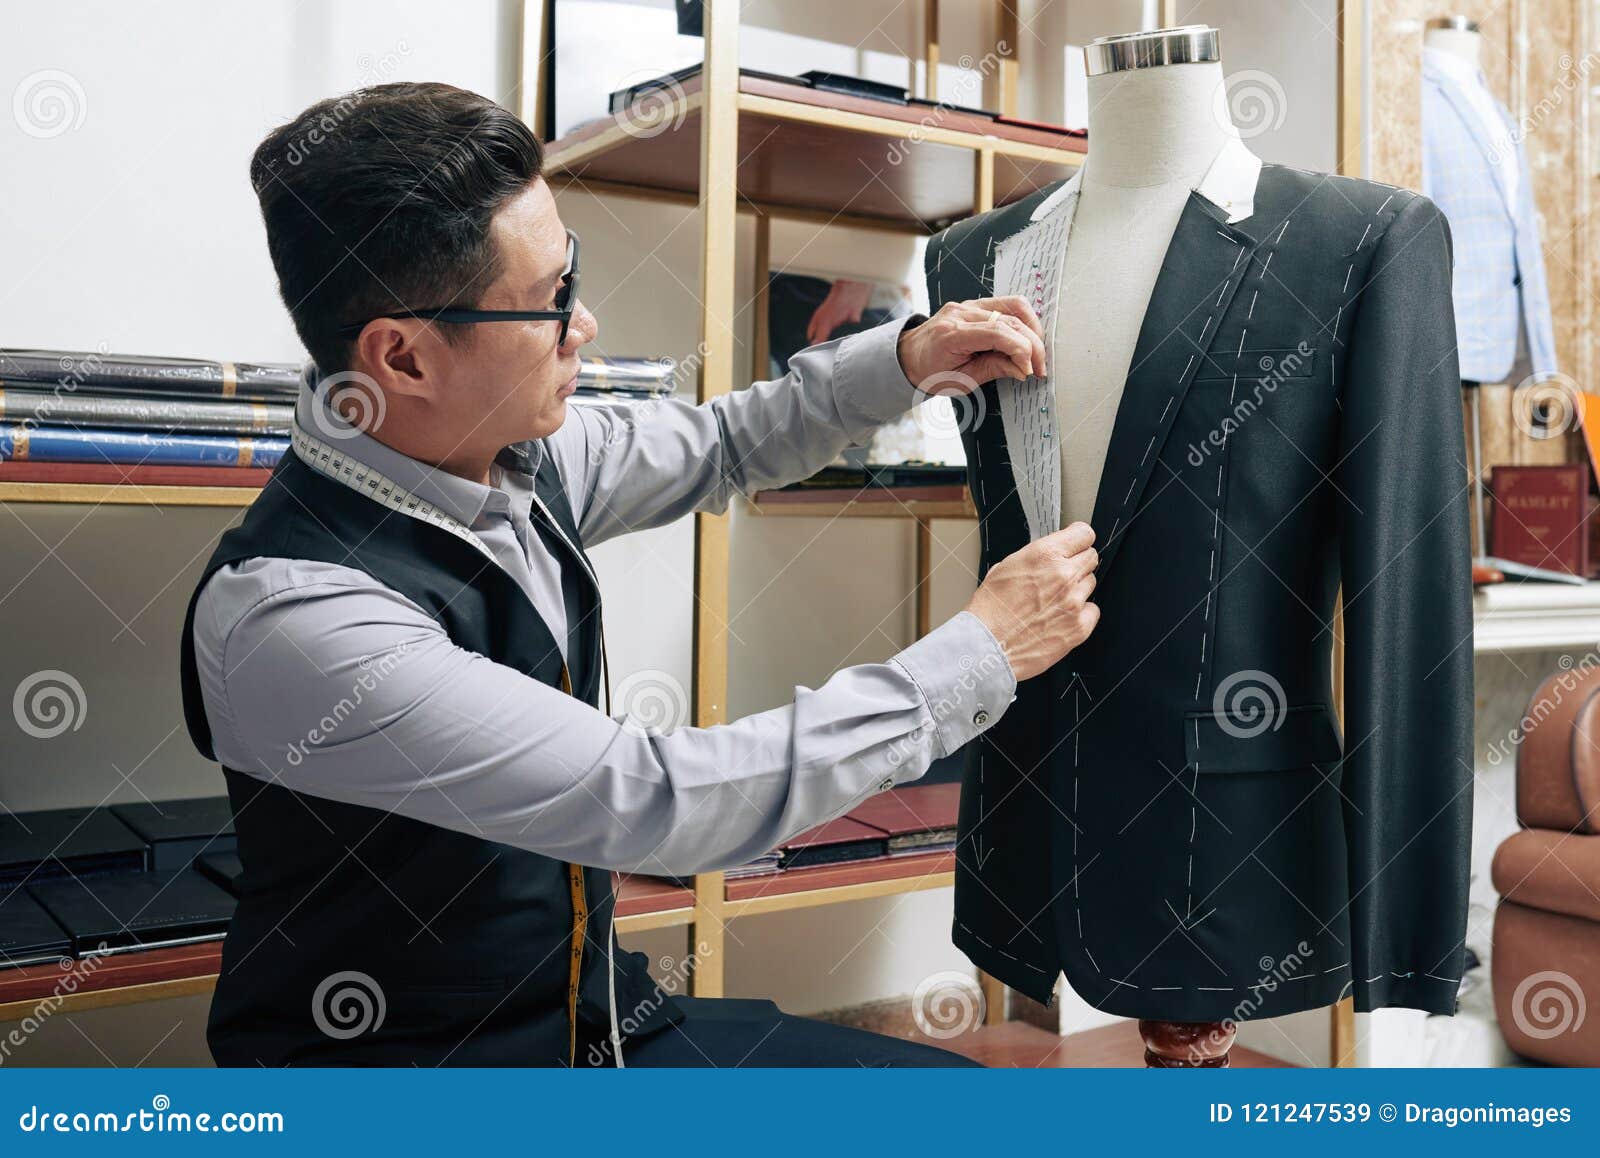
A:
[1461,105]
[1028,264]
[1206,262]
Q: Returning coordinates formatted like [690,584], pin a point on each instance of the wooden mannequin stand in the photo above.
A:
[1187,1044]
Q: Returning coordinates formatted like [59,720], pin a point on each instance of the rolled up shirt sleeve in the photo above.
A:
[640,465]
[318,678]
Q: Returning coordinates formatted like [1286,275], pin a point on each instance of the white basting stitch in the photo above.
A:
[1385,204]
[1364,234]
[1218,988]
[1236,258]
[1207,326]
[1267,264]
[1239,353]
[1338,968]
[1252,312]
[1164,410]
[1350,270]
[1092,961]
[1148,449]
[1224,237]
[1436,977]
[1282,231]
[1164,988]
[1131,485]
[1124,984]
[1222,291]
[1187,364]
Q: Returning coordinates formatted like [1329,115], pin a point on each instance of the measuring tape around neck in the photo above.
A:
[342,468]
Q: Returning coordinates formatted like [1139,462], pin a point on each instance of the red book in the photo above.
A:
[1539,516]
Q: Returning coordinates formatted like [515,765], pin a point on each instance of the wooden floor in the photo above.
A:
[1015,1044]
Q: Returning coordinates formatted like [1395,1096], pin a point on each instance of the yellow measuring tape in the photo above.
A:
[580,926]
[332,462]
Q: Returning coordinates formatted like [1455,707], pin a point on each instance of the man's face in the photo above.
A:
[512,379]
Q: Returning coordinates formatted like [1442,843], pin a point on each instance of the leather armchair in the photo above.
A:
[1546,956]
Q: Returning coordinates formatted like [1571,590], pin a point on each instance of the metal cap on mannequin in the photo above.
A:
[1189,44]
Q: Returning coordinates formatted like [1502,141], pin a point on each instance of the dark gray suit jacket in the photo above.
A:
[1169,816]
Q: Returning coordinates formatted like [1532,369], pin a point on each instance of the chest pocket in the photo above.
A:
[1279,364]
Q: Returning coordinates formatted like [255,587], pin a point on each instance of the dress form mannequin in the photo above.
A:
[1458,36]
[1158,118]
[1153,133]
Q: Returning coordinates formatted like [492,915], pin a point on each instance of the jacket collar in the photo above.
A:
[1229,184]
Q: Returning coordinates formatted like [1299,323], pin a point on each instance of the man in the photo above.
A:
[396,656]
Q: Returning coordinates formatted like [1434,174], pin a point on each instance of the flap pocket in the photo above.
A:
[1271,740]
[1274,365]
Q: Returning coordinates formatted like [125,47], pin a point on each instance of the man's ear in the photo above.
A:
[404,357]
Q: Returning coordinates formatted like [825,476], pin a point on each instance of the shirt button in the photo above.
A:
[980,717]
[885,784]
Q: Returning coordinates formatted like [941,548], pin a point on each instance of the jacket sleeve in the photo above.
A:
[1405,554]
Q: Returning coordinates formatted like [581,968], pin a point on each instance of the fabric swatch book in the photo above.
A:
[22,443]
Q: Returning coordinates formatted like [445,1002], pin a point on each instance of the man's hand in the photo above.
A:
[1036,602]
[967,344]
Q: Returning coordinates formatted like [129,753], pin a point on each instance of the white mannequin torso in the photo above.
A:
[1153,133]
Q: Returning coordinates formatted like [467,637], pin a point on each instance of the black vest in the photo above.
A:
[468,941]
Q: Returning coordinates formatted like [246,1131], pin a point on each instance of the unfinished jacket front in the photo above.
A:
[1170,815]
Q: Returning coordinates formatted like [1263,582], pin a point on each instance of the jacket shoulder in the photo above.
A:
[1352,211]
[965,245]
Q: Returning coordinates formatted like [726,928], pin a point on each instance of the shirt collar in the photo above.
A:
[461,499]
[1229,184]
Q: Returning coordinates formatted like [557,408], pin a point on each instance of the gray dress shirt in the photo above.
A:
[320,678]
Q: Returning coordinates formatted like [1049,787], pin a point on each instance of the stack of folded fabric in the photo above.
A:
[69,406]
[77,881]
[919,818]
[617,379]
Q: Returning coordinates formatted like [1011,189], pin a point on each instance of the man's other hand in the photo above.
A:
[969,343]
[1036,602]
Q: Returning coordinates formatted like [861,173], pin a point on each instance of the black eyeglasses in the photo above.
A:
[566,302]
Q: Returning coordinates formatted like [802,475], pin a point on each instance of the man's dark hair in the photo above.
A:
[381,199]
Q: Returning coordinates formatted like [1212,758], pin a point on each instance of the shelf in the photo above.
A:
[864,504]
[121,979]
[847,158]
[147,484]
[832,884]
[127,494]
[1509,617]
[158,974]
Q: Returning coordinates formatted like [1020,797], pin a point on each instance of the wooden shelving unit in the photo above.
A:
[729,145]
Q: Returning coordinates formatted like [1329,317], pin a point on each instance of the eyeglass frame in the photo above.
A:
[463,315]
